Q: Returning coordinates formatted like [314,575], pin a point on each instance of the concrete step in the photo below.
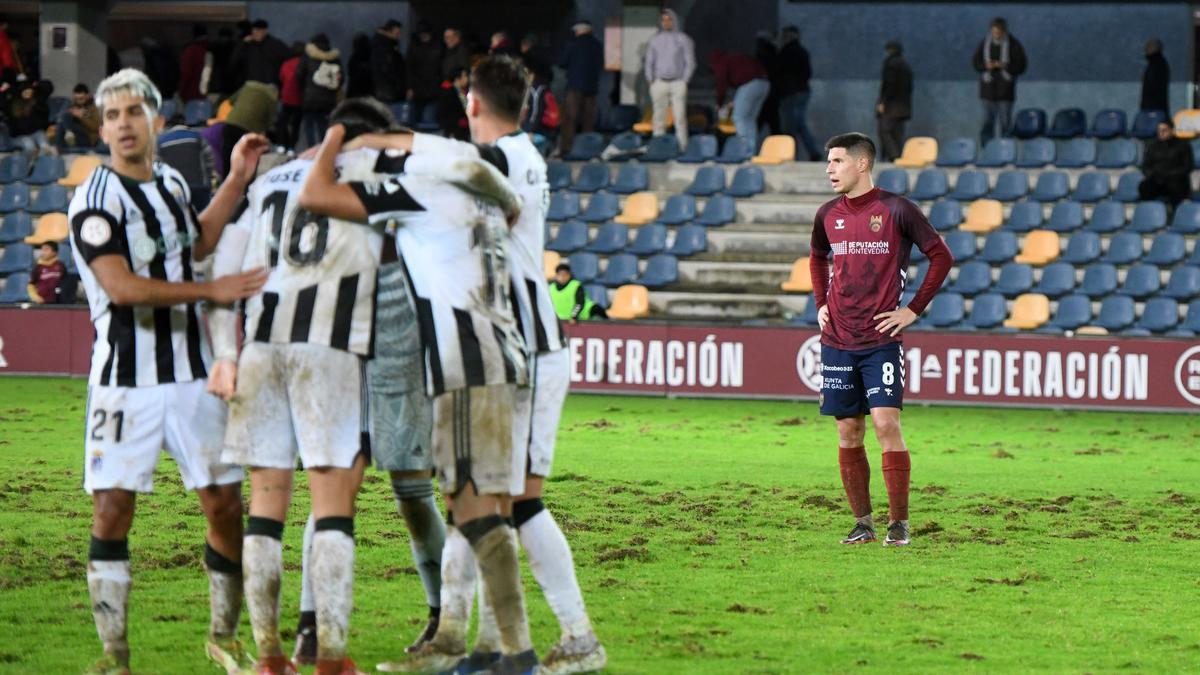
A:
[761,209]
[733,275]
[724,306]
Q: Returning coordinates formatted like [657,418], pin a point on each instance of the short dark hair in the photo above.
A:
[52,244]
[81,88]
[562,267]
[199,30]
[1167,121]
[1001,23]
[503,82]
[392,24]
[855,144]
[363,115]
[260,24]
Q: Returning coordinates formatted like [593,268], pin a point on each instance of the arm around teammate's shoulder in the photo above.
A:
[220,210]
[322,193]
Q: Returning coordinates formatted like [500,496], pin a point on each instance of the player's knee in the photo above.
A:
[851,431]
[526,509]
[227,513]
[412,489]
[112,515]
[886,427]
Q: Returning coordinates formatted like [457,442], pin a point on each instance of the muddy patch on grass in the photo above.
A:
[637,554]
[927,529]
[822,502]
[932,643]
[1019,580]
[1078,534]
[970,657]
[739,608]
[1002,454]
[932,489]
[791,422]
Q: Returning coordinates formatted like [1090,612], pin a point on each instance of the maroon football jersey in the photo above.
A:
[870,238]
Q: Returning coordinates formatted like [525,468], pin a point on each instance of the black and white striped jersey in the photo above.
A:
[321,286]
[516,157]
[152,226]
[454,248]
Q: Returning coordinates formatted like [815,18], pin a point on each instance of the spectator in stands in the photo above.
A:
[193,63]
[1155,79]
[795,72]
[259,56]
[895,101]
[1000,60]
[748,78]
[219,76]
[254,109]
[29,117]
[10,65]
[768,55]
[452,106]
[291,99]
[320,74]
[162,66]
[541,112]
[424,71]
[535,60]
[186,150]
[359,66]
[456,54]
[45,281]
[501,45]
[670,62]
[79,125]
[387,63]
[583,59]
[1167,166]
[571,302]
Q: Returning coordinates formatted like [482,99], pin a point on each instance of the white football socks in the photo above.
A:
[552,565]
[108,586]
[333,588]
[262,568]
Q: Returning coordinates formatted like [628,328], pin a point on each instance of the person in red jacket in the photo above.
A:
[291,98]
[192,62]
[10,66]
[45,282]
[749,78]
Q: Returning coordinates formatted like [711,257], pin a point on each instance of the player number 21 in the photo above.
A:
[100,416]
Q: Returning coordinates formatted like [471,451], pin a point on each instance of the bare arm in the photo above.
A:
[220,210]
[126,288]
[322,193]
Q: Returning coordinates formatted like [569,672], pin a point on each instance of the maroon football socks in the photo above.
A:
[856,479]
[895,476]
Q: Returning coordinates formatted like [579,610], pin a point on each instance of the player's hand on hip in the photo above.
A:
[243,162]
[895,321]
[229,289]
[823,317]
[222,380]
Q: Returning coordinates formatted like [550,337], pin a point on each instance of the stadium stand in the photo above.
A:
[945,214]
[1010,186]
[1029,123]
[800,280]
[956,152]
[678,210]
[1024,217]
[592,177]
[1068,123]
[1040,247]
[661,149]
[893,180]
[1036,153]
[640,208]
[747,181]
[630,302]
[17,226]
[631,178]
[649,240]
[1108,123]
[709,180]
[918,152]
[1148,217]
[50,227]
[1145,124]
[931,184]
[610,238]
[776,150]
[969,186]
[997,153]
[661,270]
[983,216]
[736,151]
[1030,311]
[602,206]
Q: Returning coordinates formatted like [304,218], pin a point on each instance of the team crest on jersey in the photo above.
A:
[876,223]
[97,460]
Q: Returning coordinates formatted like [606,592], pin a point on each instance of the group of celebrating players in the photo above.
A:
[395,309]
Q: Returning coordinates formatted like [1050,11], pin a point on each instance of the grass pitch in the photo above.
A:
[705,534]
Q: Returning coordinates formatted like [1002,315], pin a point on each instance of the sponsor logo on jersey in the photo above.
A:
[840,224]
[861,248]
[145,248]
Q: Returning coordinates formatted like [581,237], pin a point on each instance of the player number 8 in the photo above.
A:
[889,374]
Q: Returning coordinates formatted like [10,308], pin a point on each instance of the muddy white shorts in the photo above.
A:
[536,414]
[472,439]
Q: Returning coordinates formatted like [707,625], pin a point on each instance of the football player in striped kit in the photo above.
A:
[138,245]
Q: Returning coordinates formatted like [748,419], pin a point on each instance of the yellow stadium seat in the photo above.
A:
[1029,311]
[50,227]
[222,112]
[1187,123]
[550,262]
[776,150]
[801,279]
[983,215]
[630,302]
[726,127]
[1091,330]
[640,209]
[1041,247]
[80,169]
[646,125]
[919,152]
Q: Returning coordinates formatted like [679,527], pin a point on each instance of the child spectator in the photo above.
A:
[45,282]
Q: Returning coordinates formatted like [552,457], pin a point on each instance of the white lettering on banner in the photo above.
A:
[575,346]
[633,361]
[1031,384]
[595,361]
[1010,373]
[970,370]
[3,363]
[614,361]
[1078,376]
[808,363]
[674,355]
[654,363]
[1187,375]
[992,379]
[676,363]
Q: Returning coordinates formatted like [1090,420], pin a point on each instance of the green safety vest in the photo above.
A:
[564,300]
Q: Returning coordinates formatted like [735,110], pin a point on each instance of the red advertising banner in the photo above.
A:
[752,362]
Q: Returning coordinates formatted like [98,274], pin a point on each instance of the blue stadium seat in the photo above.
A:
[998,152]
[1015,279]
[916,279]
[945,215]
[1082,249]
[718,210]
[1068,123]
[403,112]
[1116,154]
[661,270]
[46,169]
[6,144]
[1099,279]
[1148,217]
[737,150]
[678,210]
[931,184]
[1029,123]
[1166,250]
[946,310]
[893,180]
[1184,283]
[598,294]
[1073,311]
[1058,279]
[620,270]
[974,277]
[1036,153]
[16,288]
[14,198]
[169,109]
[1108,124]
[13,168]
[584,266]
[1194,259]
[587,146]
[1010,186]
[17,226]
[601,207]
[662,148]
[988,311]
[1107,217]
[1123,249]
[610,238]
[971,185]
[64,253]
[916,255]
[1065,217]
[689,240]
[809,316]
[709,180]
[1145,124]
[1092,186]
[1159,315]
[1127,187]
[700,148]
[631,177]
[961,245]
[626,141]
[747,182]
[49,199]
[956,152]
[563,205]
[572,236]
[558,175]
[197,112]
[17,257]
[1195,151]
[1024,217]
[1076,153]
[592,176]
[1116,313]
[650,239]
[1051,186]
[1191,323]
[999,247]
[620,118]
[428,120]
[1185,221]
